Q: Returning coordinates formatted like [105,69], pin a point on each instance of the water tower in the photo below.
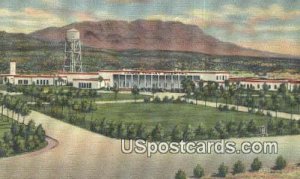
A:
[73,52]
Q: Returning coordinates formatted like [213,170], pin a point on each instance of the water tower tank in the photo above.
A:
[73,34]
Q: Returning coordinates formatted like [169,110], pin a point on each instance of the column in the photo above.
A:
[132,81]
[172,81]
[119,80]
[158,81]
[151,81]
[145,78]
[165,82]
[138,80]
[125,81]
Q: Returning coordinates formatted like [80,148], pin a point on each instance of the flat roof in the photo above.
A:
[162,71]
[89,79]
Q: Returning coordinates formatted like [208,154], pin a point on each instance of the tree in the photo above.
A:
[157,133]
[176,134]
[188,86]
[131,132]
[188,133]
[275,103]
[226,97]
[198,171]
[141,132]
[280,163]
[222,170]
[180,174]
[116,90]
[256,165]
[2,98]
[217,94]
[238,167]
[135,92]
[122,131]
[100,79]
[292,103]
[200,132]
[25,112]
[221,129]
[205,94]
[197,95]
[252,127]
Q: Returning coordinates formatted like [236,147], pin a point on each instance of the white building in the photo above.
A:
[143,79]
[160,79]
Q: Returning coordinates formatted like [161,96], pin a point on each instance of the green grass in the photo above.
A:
[283,106]
[111,97]
[168,115]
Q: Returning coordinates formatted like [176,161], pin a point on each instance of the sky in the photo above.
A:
[271,25]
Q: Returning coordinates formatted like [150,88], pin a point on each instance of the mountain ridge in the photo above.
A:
[148,35]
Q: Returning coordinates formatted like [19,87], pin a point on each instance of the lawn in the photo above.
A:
[168,115]
[111,97]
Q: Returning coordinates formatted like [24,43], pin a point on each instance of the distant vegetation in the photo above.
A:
[38,56]
[158,120]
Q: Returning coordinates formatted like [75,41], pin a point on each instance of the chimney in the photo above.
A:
[12,68]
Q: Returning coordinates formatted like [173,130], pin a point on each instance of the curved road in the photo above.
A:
[83,154]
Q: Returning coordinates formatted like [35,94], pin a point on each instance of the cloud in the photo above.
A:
[52,3]
[277,46]
[128,1]
[28,20]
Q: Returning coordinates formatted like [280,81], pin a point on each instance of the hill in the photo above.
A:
[148,35]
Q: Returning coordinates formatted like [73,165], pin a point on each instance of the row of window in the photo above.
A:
[85,85]
[148,77]
[42,82]
[258,86]
[218,77]
[23,82]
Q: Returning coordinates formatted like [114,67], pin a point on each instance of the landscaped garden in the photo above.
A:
[15,136]
[156,119]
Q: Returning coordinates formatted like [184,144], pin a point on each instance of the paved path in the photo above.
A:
[9,93]
[120,101]
[241,108]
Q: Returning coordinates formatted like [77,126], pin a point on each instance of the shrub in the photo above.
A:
[225,108]
[156,100]
[166,99]
[233,108]
[222,170]
[238,167]
[146,100]
[256,165]
[280,163]
[198,171]
[180,174]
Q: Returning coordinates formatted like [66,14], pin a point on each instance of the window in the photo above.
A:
[19,82]
[258,86]
[217,77]
[223,77]
[275,86]
[25,82]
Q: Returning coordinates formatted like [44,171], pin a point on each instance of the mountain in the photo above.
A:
[148,35]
